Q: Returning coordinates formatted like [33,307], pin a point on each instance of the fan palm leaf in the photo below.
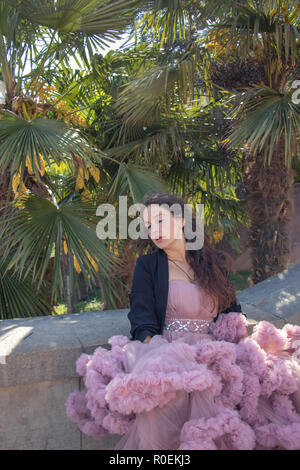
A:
[38,139]
[18,297]
[97,17]
[262,117]
[159,88]
[136,181]
[35,229]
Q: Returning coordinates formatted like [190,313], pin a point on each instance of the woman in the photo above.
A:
[191,376]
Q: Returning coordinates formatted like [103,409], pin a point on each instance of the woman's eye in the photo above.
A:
[149,226]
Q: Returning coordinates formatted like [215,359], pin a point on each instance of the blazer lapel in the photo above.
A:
[163,284]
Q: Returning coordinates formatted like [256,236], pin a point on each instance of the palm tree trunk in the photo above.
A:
[67,290]
[4,184]
[270,205]
[70,299]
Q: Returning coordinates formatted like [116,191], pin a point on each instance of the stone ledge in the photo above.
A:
[276,299]
[46,348]
[43,349]
[38,358]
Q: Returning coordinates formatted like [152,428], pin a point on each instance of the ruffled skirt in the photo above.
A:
[191,391]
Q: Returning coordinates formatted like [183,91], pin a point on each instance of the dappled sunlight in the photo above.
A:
[10,340]
[286,298]
[8,327]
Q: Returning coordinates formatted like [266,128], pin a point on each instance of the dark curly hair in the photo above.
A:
[210,265]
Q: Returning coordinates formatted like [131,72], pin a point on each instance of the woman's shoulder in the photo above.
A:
[150,263]
[149,259]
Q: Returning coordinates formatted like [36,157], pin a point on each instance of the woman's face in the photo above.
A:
[163,227]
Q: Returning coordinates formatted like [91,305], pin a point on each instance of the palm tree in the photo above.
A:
[168,141]
[44,226]
[266,125]
[245,54]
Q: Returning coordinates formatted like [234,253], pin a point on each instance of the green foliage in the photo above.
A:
[36,232]
[241,279]
[156,118]
[19,297]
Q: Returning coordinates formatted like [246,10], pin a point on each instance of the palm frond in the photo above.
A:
[273,23]
[135,180]
[94,17]
[36,232]
[162,88]
[19,298]
[38,139]
[166,20]
[262,116]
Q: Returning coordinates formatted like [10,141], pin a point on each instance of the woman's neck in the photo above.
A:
[177,252]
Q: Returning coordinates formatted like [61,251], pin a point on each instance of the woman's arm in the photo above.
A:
[147,339]
[142,314]
[234,307]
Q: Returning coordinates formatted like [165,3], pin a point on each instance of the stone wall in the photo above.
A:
[37,373]
[38,355]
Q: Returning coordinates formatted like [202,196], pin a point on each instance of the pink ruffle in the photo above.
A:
[220,357]
[263,373]
[157,376]
[229,327]
[77,411]
[273,435]
[249,380]
[284,408]
[201,434]
[89,409]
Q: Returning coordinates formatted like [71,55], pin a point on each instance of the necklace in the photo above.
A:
[192,281]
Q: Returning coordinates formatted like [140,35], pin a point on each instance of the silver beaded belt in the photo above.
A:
[186,324]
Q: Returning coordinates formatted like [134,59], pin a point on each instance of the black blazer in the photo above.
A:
[149,295]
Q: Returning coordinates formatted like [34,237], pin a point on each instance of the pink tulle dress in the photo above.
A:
[200,385]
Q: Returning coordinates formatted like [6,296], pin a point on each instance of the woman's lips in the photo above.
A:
[158,240]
